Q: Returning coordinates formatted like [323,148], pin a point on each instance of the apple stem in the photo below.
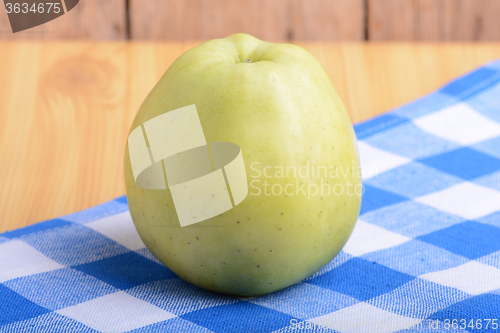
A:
[249,60]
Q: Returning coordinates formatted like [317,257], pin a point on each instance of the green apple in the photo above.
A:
[275,102]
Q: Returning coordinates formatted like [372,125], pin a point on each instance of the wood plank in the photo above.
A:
[314,20]
[433,20]
[207,19]
[66,108]
[64,120]
[271,20]
[90,19]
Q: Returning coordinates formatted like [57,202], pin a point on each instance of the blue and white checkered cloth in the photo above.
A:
[424,256]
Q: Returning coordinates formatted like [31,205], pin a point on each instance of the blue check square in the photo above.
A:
[374,198]
[491,180]
[412,142]
[490,147]
[472,83]
[239,317]
[309,301]
[14,307]
[72,287]
[406,218]
[177,325]
[122,200]
[178,296]
[492,259]
[372,126]
[412,180]
[39,227]
[126,270]
[484,104]
[361,279]
[416,258]
[493,219]
[465,163]
[495,65]
[469,239]
[478,309]
[95,213]
[49,322]
[425,105]
[418,299]
[74,245]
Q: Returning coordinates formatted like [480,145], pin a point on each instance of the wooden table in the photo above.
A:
[66,108]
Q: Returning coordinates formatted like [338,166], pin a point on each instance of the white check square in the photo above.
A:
[375,161]
[473,278]
[459,123]
[118,312]
[367,238]
[18,259]
[362,318]
[119,228]
[466,200]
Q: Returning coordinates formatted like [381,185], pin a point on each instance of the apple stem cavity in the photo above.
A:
[249,60]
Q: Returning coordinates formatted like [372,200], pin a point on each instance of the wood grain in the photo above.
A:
[433,20]
[207,19]
[90,19]
[272,20]
[326,20]
[66,108]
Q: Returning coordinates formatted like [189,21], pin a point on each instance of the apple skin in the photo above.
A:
[282,110]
